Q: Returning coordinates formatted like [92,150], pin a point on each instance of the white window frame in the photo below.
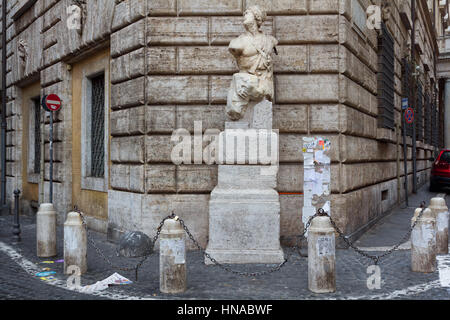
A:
[89,71]
[32,176]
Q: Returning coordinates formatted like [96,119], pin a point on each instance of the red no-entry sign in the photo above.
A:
[52,102]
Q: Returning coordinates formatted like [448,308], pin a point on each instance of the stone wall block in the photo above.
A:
[190,30]
[160,178]
[290,118]
[324,58]
[127,149]
[120,176]
[121,17]
[162,60]
[225,29]
[97,26]
[127,94]
[205,60]
[292,59]
[219,87]
[304,88]
[162,7]
[128,121]
[128,66]
[196,178]
[280,6]
[324,118]
[209,7]
[158,148]
[211,117]
[307,29]
[128,39]
[51,74]
[160,119]
[177,89]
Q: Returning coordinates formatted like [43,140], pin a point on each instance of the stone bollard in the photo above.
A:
[75,243]
[423,242]
[172,257]
[440,212]
[46,231]
[321,256]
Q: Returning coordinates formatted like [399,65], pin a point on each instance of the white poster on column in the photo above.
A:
[317,176]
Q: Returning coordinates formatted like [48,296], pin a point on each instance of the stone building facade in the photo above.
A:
[163,64]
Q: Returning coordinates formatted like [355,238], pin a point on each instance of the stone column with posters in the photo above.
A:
[317,176]
[244,208]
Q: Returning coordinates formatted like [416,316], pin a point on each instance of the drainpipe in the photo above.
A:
[4,207]
[42,162]
[398,133]
[413,57]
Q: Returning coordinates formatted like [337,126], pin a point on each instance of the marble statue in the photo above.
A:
[253,53]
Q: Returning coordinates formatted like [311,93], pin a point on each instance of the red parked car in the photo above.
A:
[440,172]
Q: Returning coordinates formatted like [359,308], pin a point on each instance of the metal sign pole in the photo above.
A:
[51,157]
[405,156]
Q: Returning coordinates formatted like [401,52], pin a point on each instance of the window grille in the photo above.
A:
[406,88]
[435,125]
[98,126]
[427,119]
[418,116]
[385,79]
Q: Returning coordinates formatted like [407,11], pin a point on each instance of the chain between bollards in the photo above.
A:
[374,258]
[102,255]
[320,213]
[241,273]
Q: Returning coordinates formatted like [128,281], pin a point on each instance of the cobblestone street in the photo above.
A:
[17,280]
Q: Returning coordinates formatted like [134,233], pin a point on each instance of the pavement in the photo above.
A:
[19,265]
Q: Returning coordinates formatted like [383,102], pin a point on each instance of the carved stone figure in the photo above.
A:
[22,49]
[386,10]
[253,52]
[82,5]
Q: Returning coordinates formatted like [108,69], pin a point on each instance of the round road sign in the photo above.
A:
[409,115]
[53,102]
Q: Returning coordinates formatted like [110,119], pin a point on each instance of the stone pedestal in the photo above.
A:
[244,209]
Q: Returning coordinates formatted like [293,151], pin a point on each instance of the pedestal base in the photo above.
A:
[244,217]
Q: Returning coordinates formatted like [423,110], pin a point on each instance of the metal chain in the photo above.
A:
[375,258]
[113,266]
[242,273]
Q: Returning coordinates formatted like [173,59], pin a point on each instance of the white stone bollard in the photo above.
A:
[321,256]
[440,212]
[172,257]
[75,243]
[423,242]
[46,231]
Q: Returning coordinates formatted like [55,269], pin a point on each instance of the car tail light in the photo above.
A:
[441,164]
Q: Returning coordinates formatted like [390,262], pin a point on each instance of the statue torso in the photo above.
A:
[254,53]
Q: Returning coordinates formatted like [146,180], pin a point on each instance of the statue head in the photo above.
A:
[254,14]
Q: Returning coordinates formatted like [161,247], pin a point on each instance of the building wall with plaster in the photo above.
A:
[169,67]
